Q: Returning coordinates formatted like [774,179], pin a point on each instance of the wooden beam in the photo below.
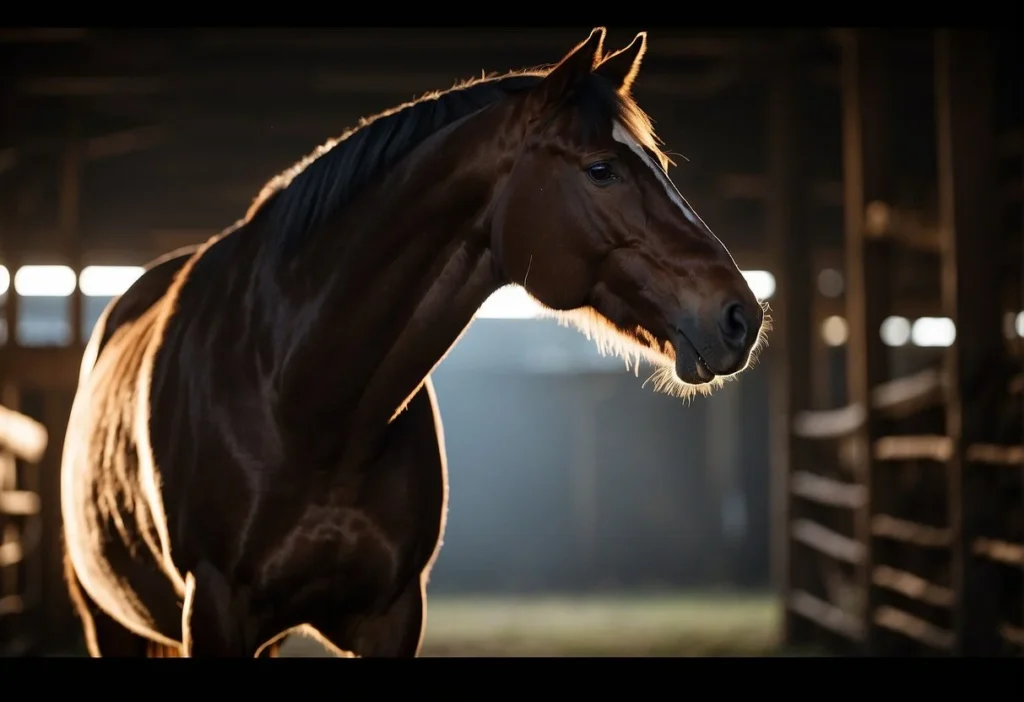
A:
[825,615]
[867,272]
[42,35]
[824,540]
[23,436]
[92,86]
[790,349]
[827,491]
[913,587]
[914,448]
[904,531]
[69,219]
[964,80]
[914,628]
[455,40]
[1005,552]
[123,142]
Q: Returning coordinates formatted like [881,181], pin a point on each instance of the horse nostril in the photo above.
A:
[735,325]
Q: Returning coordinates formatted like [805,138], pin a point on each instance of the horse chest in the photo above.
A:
[329,542]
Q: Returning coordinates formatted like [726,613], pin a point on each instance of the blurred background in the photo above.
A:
[868,183]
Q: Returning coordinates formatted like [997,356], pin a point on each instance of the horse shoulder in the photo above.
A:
[145,292]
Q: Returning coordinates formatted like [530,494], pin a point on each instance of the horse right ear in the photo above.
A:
[621,67]
[573,69]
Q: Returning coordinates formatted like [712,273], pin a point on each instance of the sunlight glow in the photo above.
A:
[835,331]
[895,331]
[762,283]
[1019,325]
[44,281]
[107,281]
[5,280]
[510,302]
[933,331]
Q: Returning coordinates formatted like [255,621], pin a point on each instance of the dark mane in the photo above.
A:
[301,197]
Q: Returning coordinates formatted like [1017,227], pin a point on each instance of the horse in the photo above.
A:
[255,448]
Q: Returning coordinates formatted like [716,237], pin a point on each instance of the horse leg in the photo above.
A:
[396,633]
[105,637]
[210,625]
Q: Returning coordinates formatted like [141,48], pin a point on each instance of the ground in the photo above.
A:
[652,625]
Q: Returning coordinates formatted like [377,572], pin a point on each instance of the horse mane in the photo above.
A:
[304,195]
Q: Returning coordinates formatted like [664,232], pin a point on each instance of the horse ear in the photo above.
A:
[621,67]
[573,68]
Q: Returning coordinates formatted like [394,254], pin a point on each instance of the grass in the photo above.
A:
[652,625]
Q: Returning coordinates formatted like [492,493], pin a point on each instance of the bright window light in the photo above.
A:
[895,331]
[1018,325]
[762,283]
[933,331]
[5,280]
[107,281]
[835,331]
[44,281]
[509,302]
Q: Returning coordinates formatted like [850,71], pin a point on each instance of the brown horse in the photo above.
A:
[255,448]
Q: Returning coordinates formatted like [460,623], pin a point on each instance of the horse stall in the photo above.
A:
[844,496]
[902,501]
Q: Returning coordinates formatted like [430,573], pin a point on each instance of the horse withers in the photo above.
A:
[255,448]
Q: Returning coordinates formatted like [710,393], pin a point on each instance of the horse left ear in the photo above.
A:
[572,69]
[622,67]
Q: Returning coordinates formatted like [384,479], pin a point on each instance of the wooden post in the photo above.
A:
[724,478]
[865,187]
[70,223]
[971,250]
[790,343]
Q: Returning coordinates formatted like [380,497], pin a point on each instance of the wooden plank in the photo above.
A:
[22,435]
[10,554]
[906,396]
[827,491]
[1000,551]
[908,448]
[907,532]
[901,397]
[865,181]
[914,628]
[912,586]
[828,542]
[20,503]
[996,455]
[825,615]
[829,424]
[972,246]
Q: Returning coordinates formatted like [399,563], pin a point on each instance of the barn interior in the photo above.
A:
[860,491]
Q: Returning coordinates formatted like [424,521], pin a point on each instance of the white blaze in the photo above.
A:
[621,135]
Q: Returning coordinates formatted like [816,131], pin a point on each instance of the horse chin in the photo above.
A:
[675,370]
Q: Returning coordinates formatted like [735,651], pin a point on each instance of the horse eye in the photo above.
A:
[601,173]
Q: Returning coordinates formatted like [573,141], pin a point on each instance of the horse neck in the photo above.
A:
[394,280]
